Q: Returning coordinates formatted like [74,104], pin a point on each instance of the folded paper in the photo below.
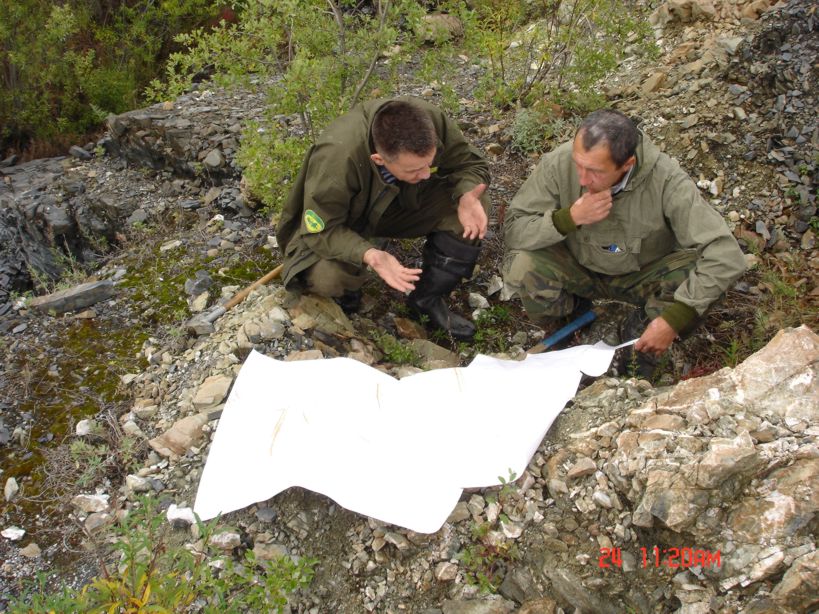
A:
[400,451]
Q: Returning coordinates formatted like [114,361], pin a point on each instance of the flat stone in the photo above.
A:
[665,422]
[270,552]
[212,391]
[304,355]
[654,82]
[543,605]
[409,329]
[180,437]
[98,521]
[583,467]
[180,516]
[79,153]
[800,584]
[13,533]
[214,159]
[32,551]
[11,489]
[726,458]
[91,503]
[226,540]
[78,297]
[430,352]
[493,604]
[446,571]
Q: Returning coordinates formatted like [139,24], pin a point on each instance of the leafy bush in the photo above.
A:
[67,65]
[533,129]
[153,573]
[555,50]
[311,62]
[271,160]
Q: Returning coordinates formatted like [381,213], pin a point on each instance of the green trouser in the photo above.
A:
[548,280]
[438,213]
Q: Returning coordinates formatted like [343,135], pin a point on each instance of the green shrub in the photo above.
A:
[152,572]
[271,161]
[68,65]
[557,50]
[533,130]
[312,63]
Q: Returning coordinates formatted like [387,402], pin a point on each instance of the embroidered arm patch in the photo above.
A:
[313,222]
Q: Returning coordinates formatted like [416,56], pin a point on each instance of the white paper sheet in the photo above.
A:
[400,451]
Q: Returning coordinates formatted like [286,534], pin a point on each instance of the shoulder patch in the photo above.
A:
[313,222]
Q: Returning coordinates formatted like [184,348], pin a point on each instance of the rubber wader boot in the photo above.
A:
[350,301]
[446,262]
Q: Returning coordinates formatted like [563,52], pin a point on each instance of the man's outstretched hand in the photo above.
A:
[471,214]
[390,270]
[656,338]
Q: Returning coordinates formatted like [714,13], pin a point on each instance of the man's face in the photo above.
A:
[596,170]
[407,167]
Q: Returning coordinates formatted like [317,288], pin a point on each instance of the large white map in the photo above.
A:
[400,451]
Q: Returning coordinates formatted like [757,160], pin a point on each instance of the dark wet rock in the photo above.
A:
[79,152]
[192,137]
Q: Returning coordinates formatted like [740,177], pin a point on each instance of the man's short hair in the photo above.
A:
[402,127]
[614,129]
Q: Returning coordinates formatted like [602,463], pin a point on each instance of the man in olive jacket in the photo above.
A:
[607,215]
[387,169]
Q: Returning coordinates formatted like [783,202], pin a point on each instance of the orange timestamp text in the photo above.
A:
[673,558]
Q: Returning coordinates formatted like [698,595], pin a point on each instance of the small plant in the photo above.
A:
[397,351]
[490,334]
[89,460]
[533,130]
[486,561]
[731,352]
[154,573]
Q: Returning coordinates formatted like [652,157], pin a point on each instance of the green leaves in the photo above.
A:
[68,65]
[155,573]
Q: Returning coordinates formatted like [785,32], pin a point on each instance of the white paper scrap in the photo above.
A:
[401,451]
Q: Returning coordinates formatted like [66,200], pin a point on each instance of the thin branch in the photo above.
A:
[342,41]
[382,10]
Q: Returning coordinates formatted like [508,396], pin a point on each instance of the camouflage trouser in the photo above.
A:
[548,280]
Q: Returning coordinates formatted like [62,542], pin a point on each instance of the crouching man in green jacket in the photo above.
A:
[607,215]
[387,169]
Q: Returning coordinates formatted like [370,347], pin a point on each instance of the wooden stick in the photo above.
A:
[242,294]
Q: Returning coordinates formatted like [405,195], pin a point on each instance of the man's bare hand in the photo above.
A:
[656,338]
[591,208]
[471,214]
[390,270]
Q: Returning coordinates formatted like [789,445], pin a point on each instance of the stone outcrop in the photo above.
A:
[196,135]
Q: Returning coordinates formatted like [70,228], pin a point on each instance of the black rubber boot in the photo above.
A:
[350,301]
[446,262]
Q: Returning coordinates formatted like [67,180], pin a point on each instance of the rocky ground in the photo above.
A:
[725,463]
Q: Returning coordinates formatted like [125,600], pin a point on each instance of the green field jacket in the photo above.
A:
[659,211]
[339,195]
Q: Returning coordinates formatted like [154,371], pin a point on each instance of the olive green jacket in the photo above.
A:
[659,211]
[339,195]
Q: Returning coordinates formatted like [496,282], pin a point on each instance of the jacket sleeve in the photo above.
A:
[328,192]
[697,225]
[530,220]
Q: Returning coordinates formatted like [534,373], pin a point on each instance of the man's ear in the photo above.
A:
[629,163]
[376,157]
